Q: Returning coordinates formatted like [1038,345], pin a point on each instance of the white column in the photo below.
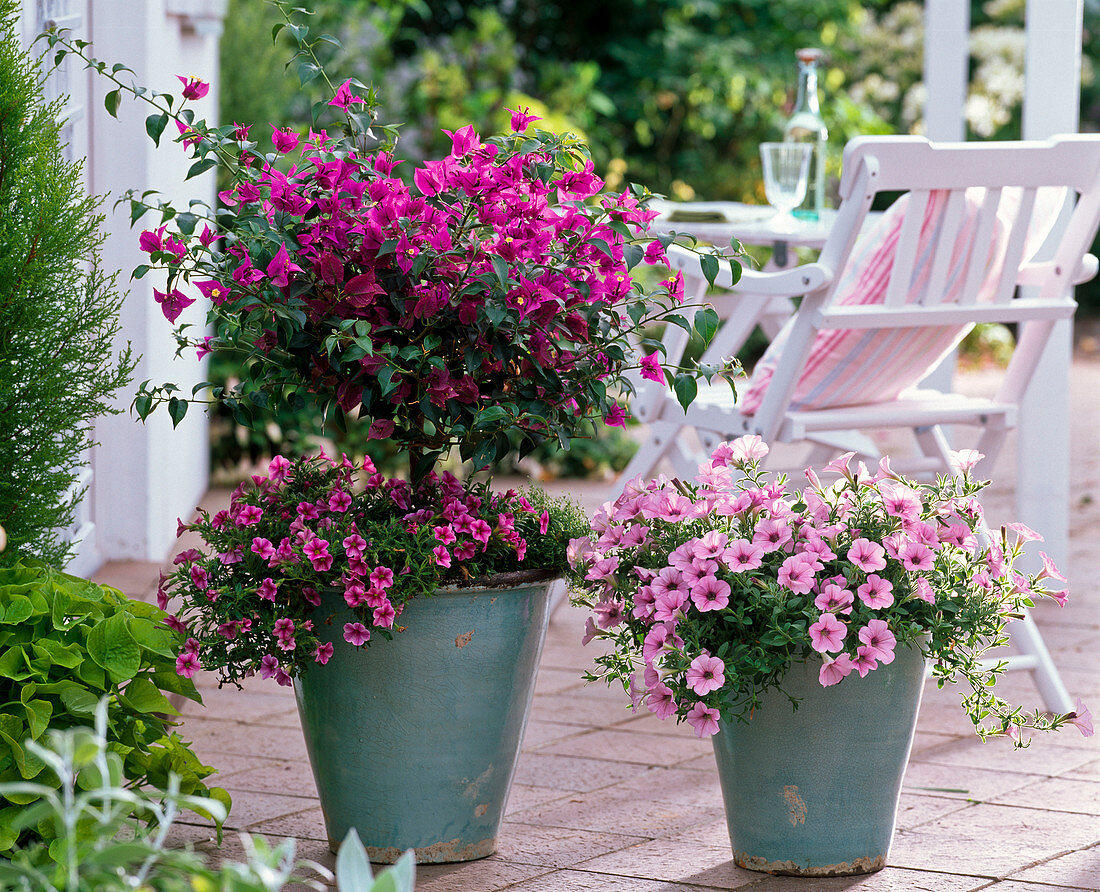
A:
[946,68]
[147,475]
[1052,101]
[946,81]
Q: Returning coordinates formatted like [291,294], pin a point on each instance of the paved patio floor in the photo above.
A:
[612,801]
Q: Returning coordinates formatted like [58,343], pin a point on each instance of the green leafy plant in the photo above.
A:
[65,643]
[101,847]
[59,313]
[251,602]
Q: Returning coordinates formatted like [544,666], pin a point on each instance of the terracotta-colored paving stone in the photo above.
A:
[991,840]
[211,736]
[1080,869]
[579,709]
[1043,756]
[712,833]
[963,782]
[232,705]
[539,734]
[674,785]
[631,746]
[583,881]
[282,776]
[916,810]
[1015,886]
[523,796]
[487,875]
[611,811]
[567,773]
[554,681]
[891,879]
[1060,794]
[529,843]
[307,824]
[675,862]
[254,808]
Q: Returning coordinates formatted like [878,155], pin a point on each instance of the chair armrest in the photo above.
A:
[782,283]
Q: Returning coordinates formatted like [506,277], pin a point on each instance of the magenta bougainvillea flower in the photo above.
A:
[471,300]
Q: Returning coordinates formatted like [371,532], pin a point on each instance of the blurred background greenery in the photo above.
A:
[676,95]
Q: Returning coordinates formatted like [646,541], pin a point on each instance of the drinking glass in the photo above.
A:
[786,172]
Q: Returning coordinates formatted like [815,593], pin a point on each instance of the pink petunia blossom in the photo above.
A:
[590,631]
[866,660]
[964,460]
[834,671]
[923,590]
[384,615]
[867,555]
[710,593]
[827,634]
[441,556]
[876,592]
[322,653]
[704,719]
[797,574]
[610,613]
[356,634]
[706,674]
[834,598]
[269,665]
[915,556]
[771,533]
[877,636]
[267,589]
[741,555]
[750,448]
[660,701]
[1081,718]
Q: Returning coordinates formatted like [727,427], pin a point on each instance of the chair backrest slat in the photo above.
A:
[901,276]
[1014,251]
[945,247]
[981,250]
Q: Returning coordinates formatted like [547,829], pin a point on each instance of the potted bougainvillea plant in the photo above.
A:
[483,299]
[793,628]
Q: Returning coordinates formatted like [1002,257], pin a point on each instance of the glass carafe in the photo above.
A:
[807,126]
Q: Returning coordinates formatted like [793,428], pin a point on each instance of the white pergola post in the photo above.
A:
[1052,100]
[946,67]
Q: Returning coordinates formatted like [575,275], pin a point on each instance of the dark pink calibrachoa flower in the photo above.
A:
[187,664]
[367,541]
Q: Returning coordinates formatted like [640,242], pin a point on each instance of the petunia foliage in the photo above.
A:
[709,590]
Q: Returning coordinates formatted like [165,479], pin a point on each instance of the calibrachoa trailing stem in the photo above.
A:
[709,590]
[249,600]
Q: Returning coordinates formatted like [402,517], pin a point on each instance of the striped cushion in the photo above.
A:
[853,367]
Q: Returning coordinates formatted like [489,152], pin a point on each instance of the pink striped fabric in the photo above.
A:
[852,367]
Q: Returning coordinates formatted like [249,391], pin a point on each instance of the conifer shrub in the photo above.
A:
[58,314]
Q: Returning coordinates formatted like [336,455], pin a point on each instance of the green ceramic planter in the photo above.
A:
[814,792]
[414,741]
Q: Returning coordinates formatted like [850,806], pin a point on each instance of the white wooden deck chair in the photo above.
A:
[875,317]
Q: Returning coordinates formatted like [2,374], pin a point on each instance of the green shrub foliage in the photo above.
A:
[58,314]
[65,643]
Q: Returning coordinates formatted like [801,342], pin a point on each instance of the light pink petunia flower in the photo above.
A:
[834,671]
[877,636]
[704,719]
[827,634]
[710,593]
[876,592]
[1081,718]
[660,701]
[706,674]
[867,555]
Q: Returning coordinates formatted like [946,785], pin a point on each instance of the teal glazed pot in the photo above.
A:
[414,741]
[814,791]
